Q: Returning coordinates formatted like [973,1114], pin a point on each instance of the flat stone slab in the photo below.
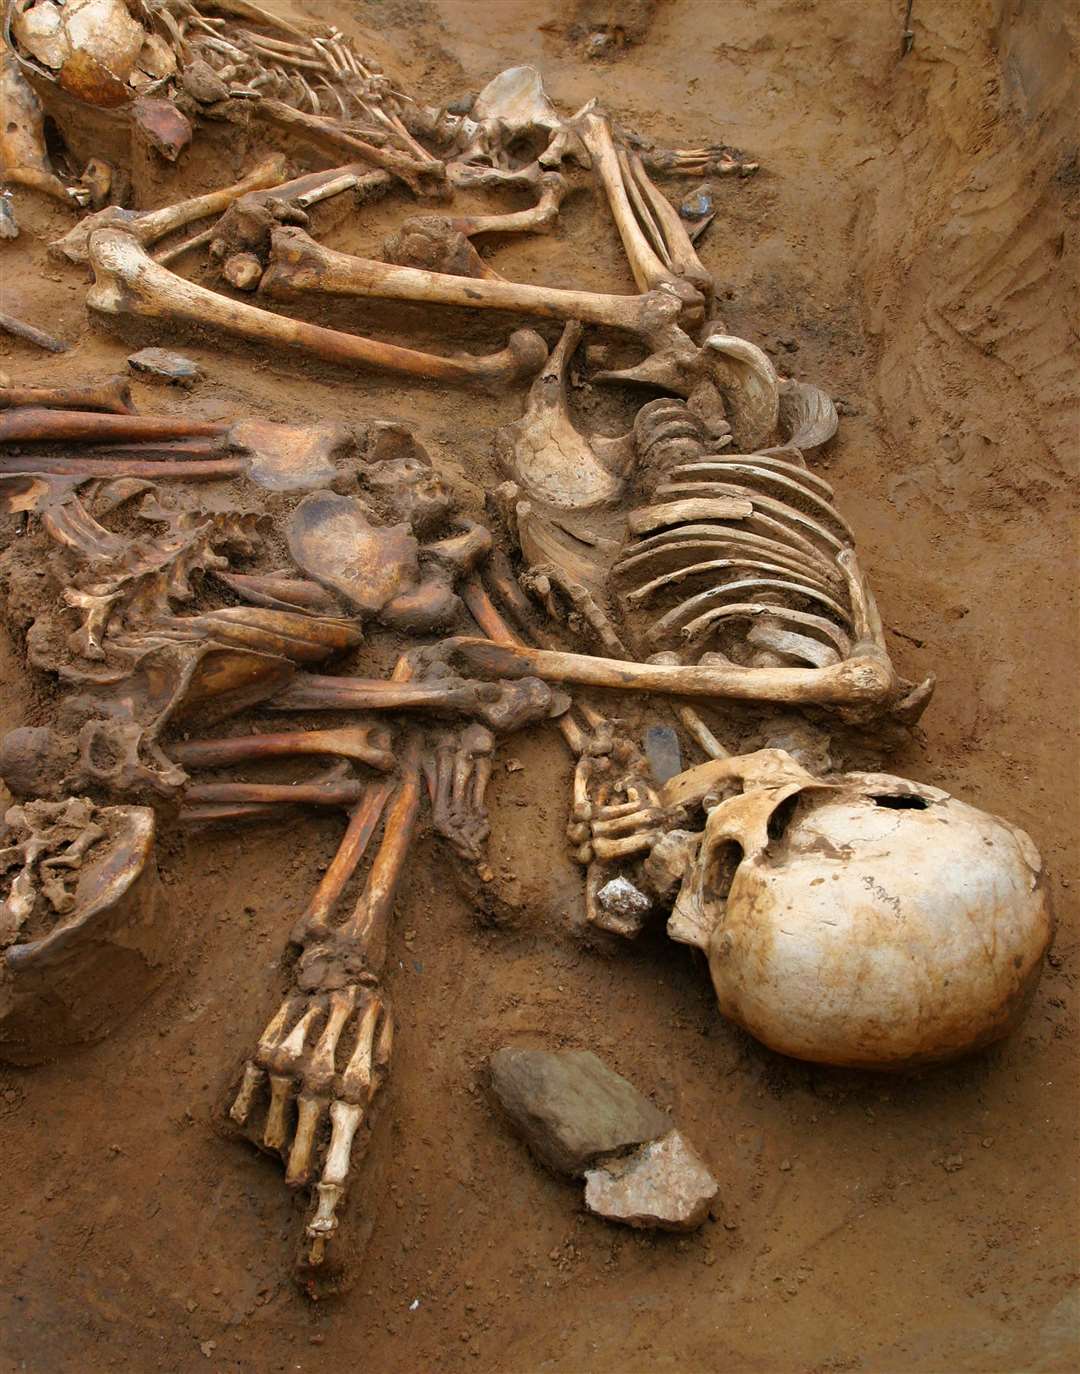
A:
[170,369]
[570,1108]
[664,1185]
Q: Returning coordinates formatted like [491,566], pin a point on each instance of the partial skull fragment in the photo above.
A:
[84,936]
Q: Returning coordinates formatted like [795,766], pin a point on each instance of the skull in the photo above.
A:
[861,919]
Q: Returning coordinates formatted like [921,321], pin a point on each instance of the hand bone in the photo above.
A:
[128,281]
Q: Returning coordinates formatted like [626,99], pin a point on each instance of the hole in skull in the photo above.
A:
[904,801]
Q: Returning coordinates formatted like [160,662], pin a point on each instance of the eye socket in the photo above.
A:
[720,873]
[904,801]
[782,817]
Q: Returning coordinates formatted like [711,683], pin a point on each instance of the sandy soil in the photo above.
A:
[910,243]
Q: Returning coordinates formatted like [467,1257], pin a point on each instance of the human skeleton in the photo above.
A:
[698,553]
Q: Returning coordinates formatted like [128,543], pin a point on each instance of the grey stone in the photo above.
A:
[664,1185]
[159,365]
[570,1108]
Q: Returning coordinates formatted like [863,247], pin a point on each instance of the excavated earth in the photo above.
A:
[910,244]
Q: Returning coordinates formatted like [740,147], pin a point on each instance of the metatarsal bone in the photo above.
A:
[298,263]
[309,1112]
[345,1118]
[148,226]
[128,281]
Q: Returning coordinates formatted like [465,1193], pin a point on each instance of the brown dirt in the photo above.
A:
[910,244]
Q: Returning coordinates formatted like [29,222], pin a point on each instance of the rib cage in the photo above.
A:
[738,553]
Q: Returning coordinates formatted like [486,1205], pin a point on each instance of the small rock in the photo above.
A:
[662,751]
[785,1166]
[165,128]
[208,1347]
[570,1108]
[159,365]
[698,203]
[663,1185]
[202,83]
[952,1163]
[514,765]
[624,906]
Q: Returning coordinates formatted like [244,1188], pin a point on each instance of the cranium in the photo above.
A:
[861,919]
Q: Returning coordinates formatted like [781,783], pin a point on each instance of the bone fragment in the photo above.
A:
[159,365]
[19,329]
[113,396]
[148,226]
[128,281]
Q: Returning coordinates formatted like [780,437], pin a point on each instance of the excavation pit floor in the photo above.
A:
[909,244]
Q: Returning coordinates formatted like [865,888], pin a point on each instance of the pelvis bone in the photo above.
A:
[858,920]
[84,938]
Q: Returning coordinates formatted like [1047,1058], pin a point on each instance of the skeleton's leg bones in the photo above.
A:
[128,281]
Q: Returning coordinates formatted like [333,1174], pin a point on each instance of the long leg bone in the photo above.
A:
[362,743]
[148,226]
[299,264]
[128,281]
[113,396]
[39,425]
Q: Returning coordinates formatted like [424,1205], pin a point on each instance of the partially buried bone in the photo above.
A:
[457,772]
[128,281]
[113,396]
[299,264]
[859,919]
[148,226]
[84,934]
[443,243]
[512,107]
